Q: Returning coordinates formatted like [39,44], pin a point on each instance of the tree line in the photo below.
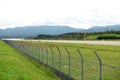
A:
[109,34]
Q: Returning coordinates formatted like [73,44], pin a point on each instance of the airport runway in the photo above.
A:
[102,42]
[85,42]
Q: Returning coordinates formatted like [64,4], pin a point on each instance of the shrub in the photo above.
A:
[109,36]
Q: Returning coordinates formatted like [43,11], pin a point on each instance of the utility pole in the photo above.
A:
[84,36]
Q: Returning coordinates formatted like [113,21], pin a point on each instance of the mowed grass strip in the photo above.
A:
[14,66]
[108,54]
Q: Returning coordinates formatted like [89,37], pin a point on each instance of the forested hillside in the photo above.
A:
[32,31]
[80,36]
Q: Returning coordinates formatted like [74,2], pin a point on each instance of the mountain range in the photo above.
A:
[31,31]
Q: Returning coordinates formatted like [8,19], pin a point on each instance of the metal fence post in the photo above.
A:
[35,51]
[60,61]
[100,64]
[25,46]
[46,56]
[31,49]
[52,56]
[68,63]
[42,53]
[82,72]
[38,51]
[28,49]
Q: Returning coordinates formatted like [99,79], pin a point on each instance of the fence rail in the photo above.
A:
[66,66]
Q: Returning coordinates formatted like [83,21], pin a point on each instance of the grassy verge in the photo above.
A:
[14,66]
[108,54]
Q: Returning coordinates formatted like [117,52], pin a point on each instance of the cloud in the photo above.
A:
[75,13]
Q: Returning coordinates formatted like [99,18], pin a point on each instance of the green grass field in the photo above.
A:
[15,66]
[108,54]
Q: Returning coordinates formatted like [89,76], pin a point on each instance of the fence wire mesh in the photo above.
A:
[73,65]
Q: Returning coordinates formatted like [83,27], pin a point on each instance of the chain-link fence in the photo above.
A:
[66,65]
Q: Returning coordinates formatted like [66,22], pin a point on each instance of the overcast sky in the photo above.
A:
[74,13]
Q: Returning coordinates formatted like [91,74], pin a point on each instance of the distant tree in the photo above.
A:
[109,36]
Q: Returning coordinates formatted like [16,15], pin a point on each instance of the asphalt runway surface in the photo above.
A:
[102,42]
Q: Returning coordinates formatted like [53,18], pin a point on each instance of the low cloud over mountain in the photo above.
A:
[31,31]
